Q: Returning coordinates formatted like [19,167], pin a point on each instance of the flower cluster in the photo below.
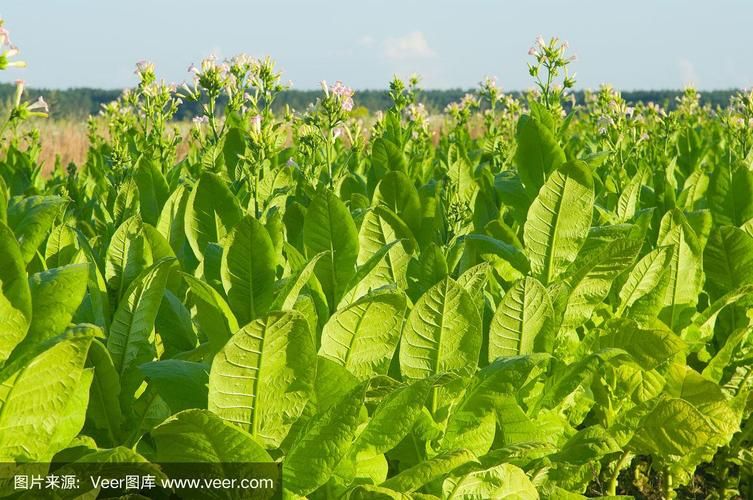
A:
[551,59]
[7,50]
[21,110]
[339,92]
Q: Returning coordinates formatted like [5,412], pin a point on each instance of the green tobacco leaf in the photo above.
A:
[412,479]
[15,296]
[558,221]
[30,218]
[287,297]
[728,260]
[685,269]
[172,223]
[393,419]
[642,295]
[211,212]
[397,193]
[264,375]
[216,321]
[442,334]
[593,278]
[504,481]
[377,231]
[248,269]
[55,296]
[537,154]
[104,414]
[329,227]
[199,436]
[153,190]
[182,384]
[36,393]
[506,259]
[128,255]
[62,246]
[363,336]
[730,195]
[523,322]
[131,337]
[306,468]
[472,420]
[649,347]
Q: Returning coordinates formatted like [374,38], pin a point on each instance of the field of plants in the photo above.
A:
[520,298]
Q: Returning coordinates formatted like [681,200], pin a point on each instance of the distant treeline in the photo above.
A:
[81,102]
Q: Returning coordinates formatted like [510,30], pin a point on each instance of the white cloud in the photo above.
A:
[411,46]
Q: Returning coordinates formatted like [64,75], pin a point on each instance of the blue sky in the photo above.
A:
[640,44]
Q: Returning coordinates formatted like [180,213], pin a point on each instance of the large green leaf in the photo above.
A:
[642,295]
[55,296]
[397,193]
[685,269]
[306,468]
[558,221]
[181,384]
[199,436]
[442,334]
[375,233]
[104,414]
[328,227]
[128,255]
[728,260]
[504,482]
[472,420]
[264,375]
[537,154]
[211,212]
[30,218]
[412,479]
[35,395]
[216,321]
[248,269]
[523,322]
[393,419]
[15,296]
[131,337]
[363,336]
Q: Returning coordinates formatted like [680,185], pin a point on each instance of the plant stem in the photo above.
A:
[621,463]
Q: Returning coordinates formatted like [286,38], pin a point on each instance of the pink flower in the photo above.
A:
[256,123]
[345,94]
[4,36]
[143,67]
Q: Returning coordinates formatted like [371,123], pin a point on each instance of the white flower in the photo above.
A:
[540,41]
[644,136]
[199,120]
[39,104]
[604,123]
[533,52]
[629,110]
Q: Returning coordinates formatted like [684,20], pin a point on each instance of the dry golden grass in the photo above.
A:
[66,139]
